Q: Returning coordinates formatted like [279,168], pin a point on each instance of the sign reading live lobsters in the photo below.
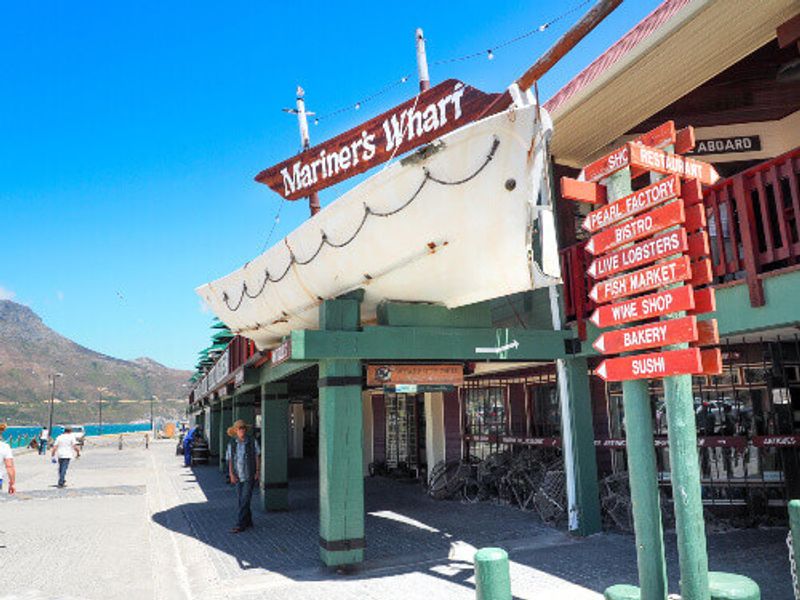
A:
[435,112]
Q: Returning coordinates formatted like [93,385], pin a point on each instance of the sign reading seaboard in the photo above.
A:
[433,113]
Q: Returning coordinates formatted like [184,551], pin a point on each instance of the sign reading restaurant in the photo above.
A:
[418,121]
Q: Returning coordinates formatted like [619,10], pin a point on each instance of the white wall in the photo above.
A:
[434,428]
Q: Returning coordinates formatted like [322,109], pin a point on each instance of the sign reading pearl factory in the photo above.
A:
[435,112]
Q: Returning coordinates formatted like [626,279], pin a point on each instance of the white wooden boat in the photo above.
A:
[453,225]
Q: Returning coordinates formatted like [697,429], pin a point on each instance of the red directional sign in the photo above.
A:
[645,307]
[651,335]
[701,273]
[663,135]
[652,365]
[653,159]
[705,301]
[646,158]
[637,228]
[646,198]
[644,253]
[698,245]
[643,280]
[583,191]
[707,333]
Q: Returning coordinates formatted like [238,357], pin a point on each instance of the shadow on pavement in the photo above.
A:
[408,531]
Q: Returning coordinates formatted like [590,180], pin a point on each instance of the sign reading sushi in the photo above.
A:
[435,112]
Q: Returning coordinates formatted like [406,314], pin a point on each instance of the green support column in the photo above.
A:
[225,421]
[587,493]
[642,470]
[274,447]
[686,493]
[245,408]
[213,433]
[341,479]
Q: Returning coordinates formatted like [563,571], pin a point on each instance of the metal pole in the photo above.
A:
[422,62]
[101,416]
[305,140]
[641,455]
[52,397]
[151,412]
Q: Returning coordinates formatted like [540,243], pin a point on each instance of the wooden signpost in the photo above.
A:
[650,261]
[435,112]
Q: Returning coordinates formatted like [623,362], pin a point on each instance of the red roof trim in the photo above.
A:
[623,46]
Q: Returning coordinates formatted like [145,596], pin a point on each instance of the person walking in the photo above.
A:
[7,463]
[66,446]
[188,444]
[44,435]
[243,456]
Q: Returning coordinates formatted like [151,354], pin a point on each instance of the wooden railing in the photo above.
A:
[753,226]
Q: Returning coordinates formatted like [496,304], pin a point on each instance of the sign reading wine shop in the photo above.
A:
[435,112]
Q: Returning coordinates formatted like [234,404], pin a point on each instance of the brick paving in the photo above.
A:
[136,524]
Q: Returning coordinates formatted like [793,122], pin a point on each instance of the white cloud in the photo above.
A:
[60,295]
[6,294]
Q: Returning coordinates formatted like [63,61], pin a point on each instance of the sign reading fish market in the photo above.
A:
[435,112]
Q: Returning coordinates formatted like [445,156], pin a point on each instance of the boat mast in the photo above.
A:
[422,62]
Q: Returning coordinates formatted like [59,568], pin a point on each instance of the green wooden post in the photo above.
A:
[225,421]
[341,480]
[492,579]
[587,494]
[641,454]
[794,523]
[685,469]
[274,443]
[212,431]
[245,408]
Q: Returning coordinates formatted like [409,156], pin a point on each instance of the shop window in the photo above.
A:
[485,418]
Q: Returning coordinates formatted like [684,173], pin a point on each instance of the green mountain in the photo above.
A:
[30,352]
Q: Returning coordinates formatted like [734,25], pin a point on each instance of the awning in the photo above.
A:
[675,49]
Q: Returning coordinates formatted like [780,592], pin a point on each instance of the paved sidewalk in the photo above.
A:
[136,524]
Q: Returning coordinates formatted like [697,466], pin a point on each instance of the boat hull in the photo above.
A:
[451,226]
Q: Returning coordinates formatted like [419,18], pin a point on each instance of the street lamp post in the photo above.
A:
[101,416]
[152,397]
[52,378]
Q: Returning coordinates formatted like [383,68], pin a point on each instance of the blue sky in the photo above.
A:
[130,134]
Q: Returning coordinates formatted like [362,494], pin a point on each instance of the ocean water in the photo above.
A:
[21,436]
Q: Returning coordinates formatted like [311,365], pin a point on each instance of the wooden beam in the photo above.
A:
[567,42]
[430,343]
[789,32]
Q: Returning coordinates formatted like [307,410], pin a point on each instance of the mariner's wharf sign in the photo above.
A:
[435,112]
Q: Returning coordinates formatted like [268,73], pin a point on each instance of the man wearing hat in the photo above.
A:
[243,457]
[7,462]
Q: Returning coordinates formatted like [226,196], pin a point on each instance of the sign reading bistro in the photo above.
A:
[437,111]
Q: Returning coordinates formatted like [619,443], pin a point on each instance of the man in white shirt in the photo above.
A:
[66,446]
[7,462]
[44,435]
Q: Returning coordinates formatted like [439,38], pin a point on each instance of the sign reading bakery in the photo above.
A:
[435,112]
[415,374]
